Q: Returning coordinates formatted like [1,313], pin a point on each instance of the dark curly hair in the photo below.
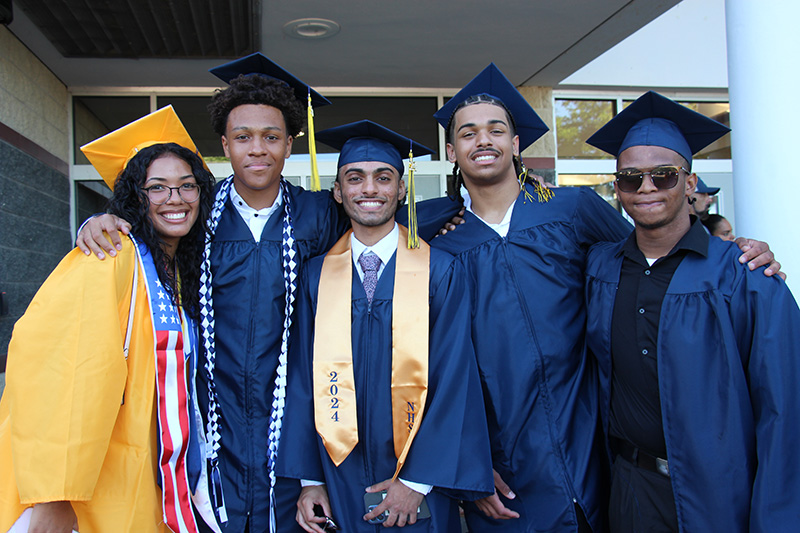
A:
[258,90]
[455,182]
[131,203]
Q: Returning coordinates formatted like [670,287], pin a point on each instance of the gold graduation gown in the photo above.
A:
[64,432]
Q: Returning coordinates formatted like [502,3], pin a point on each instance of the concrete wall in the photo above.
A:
[33,102]
[34,186]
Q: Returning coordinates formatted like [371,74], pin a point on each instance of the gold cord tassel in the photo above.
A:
[413,231]
[312,147]
[543,193]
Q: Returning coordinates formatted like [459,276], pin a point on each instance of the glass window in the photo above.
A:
[408,116]
[94,116]
[721,112]
[90,198]
[576,121]
[603,184]
[193,112]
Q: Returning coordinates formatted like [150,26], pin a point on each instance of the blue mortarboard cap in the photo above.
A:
[260,64]
[493,83]
[655,120]
[705,189]
[368,141]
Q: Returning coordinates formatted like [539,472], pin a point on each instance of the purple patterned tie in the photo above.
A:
[370,263]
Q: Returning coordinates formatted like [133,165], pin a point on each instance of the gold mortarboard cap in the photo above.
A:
[110,153]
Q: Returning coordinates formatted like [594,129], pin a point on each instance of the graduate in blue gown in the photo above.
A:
[524,257]
[700,404]
[449,455]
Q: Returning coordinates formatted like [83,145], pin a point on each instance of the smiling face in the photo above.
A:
[650,207]
[258,144]
[175,218]
[483,145]
[369,191]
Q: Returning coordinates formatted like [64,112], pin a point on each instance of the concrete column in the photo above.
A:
[763,49]
[540,157]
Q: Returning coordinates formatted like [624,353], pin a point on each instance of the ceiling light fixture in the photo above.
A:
[311,28]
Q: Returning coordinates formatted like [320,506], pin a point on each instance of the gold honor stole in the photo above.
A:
[334,385]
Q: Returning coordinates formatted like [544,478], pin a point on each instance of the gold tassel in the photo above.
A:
[413,231]
[312,147]
[544,194]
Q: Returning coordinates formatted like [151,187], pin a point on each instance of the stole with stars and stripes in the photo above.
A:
[174,335]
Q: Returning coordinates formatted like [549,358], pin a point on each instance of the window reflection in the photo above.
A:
[719,111]
[603,184]
[576,121]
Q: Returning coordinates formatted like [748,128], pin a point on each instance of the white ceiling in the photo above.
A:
[393,43]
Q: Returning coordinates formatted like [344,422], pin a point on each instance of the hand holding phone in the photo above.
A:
[396,505]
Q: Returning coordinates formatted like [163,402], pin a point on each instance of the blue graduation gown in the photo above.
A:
[451,449]
[249,308]
[528,331]
[728,370]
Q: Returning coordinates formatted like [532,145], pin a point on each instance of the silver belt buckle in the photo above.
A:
[662,466]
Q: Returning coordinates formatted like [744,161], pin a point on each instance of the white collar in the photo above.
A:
[244,208]
[502,226]
[384,248]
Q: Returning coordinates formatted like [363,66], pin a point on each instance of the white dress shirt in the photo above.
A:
[502,227]
[255,219]
[384,248]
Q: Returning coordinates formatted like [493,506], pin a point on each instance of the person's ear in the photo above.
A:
[337,191]
[691,184]
[225,146]
[451,153]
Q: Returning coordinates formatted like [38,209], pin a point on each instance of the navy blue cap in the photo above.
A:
[260,64]
[655,120]
[492,82]
[705,189]
[367,141]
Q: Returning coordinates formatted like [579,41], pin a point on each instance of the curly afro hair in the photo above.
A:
[258,90]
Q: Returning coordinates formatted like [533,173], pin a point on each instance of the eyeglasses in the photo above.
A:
[629,180]
[160,194]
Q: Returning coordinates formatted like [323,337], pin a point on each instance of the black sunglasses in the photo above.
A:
[630,179]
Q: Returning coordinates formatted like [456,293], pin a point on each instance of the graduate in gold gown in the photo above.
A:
[89,434]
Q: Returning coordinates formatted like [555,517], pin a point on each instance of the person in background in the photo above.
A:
[701,199]
[718,226]
[98,421]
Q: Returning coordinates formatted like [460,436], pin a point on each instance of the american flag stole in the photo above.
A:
[173,333]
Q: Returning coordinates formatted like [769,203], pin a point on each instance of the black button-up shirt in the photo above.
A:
[635,400]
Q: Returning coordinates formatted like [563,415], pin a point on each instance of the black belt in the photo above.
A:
[639,458]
